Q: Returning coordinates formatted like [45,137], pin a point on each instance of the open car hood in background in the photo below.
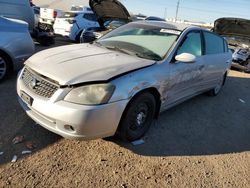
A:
[109,9]
[232,27]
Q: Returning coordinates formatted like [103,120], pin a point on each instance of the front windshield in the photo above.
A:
[142,40]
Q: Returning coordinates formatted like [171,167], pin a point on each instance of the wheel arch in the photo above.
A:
[4,53]
[154,92]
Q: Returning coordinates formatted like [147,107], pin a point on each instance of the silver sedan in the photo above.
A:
[16,45]
[120,83]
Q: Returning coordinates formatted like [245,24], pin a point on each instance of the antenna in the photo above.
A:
[177,10]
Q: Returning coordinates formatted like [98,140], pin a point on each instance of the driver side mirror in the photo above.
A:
[185,58]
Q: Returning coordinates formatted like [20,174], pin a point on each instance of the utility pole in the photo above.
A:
[165,13]
[177,10]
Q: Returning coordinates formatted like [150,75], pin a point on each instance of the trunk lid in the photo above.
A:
[109,9]
[232,27]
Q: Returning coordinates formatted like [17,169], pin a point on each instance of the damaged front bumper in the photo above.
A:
[72,121]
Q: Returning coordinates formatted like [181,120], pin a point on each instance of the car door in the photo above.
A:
[217,58]
[89,20]
[186,78]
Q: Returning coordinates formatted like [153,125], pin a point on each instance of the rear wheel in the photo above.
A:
[216,90]
[4,66]
[137,117]
[248,66]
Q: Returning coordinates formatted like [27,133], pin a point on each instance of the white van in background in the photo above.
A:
[18,9]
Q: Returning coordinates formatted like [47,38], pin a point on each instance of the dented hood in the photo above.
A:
[232,27]
[109,9]
[74,64]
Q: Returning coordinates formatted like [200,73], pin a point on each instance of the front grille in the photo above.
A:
[38,84]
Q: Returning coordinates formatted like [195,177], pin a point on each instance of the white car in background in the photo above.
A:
[36,15]
[48,17]
[71,24]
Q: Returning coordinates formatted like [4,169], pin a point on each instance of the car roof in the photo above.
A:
[167,25]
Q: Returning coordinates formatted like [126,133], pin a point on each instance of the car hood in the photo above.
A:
[108,9]
[232,27]
[74,64]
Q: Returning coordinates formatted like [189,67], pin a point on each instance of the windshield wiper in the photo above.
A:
[115,48]
[148,55]
[152,56]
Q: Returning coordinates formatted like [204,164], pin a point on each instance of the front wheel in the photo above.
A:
[137,117]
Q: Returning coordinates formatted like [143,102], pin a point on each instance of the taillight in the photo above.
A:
[54,14]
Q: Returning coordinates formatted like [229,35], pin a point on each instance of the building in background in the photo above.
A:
[60,4]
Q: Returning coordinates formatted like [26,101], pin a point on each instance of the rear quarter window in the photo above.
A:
[226,49]
[213,44]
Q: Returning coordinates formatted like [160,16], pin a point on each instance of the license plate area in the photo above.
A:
[26,98]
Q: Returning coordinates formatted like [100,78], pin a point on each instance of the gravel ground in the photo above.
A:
[204,142]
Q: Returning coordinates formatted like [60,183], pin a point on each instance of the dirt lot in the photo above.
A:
[204,142]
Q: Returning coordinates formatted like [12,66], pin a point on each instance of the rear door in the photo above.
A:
[217,59]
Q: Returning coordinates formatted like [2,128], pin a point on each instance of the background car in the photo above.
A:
[110,16]
[16,45]
[154,18]
[93,33]
[79,8]
[48,17]
[72,23]
[237,32]
[21,10]
[36,14]
[241,59]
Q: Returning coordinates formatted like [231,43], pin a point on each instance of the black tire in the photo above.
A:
[216,90]
[247,66]
[5,66]
[77,39]
[137,117]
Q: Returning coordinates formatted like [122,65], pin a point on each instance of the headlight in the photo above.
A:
[91,94]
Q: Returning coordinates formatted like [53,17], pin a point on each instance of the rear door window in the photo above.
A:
[90,17]
[191,44]
[213,44]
